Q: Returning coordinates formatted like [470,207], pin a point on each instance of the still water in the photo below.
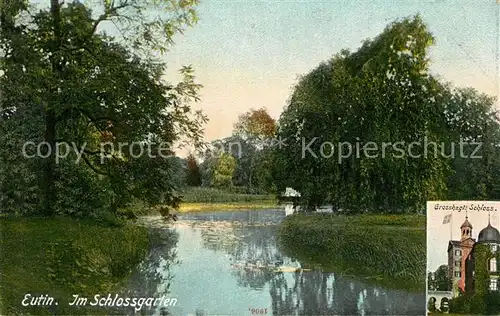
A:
[229,263]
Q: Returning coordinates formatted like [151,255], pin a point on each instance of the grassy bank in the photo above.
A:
[202,199]
[199,199]
[61,257]
[212,195]
[226,206]
[384,249]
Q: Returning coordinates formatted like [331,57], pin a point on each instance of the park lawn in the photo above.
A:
[61,257]
[201,199]
[388,220]
[206,199]
[389,250]
[214,195]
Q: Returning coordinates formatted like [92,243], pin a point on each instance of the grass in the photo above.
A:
[328,219]
[203,199]
[388,250]
[61,257]
[200,199]
[212,195]
[209,207]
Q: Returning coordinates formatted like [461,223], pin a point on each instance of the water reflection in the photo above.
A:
[230,262]
[317,293]
[152,278]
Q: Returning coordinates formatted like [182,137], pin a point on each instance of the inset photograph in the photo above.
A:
[463,243]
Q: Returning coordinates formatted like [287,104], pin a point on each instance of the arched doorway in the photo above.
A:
[444,306]
[431,304]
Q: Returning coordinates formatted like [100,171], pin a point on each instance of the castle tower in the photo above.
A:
[466,244]
[466,229]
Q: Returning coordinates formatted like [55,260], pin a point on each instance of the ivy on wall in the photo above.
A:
[482,301]
[482,256]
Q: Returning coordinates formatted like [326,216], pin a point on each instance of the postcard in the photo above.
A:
[247,158]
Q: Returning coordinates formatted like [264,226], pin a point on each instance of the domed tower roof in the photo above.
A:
[466,223]
[489,234]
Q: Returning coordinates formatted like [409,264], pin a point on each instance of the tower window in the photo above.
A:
[458,252]
[457,263]
[457,274]
[493,285]
[493,265]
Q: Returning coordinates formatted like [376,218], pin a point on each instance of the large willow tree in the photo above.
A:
[382,93]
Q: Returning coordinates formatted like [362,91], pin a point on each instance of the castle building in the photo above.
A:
[461,259]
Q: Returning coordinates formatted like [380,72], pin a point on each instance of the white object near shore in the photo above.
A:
[290,209]
[290,192]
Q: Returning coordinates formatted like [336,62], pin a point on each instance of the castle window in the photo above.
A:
[458,252]
[493,265]
[493,285]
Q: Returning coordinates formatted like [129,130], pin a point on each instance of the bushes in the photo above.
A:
[487,304]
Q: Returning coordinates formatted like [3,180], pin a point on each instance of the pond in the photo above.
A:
[229,263]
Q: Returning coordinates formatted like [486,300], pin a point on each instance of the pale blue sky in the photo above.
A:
[249,53]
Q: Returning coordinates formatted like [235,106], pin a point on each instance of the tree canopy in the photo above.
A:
[340,114]
[99,98]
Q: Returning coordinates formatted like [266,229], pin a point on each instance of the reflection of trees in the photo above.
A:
[218,236]
[317,293]
[253,278]
[244,243]
[241,242]
[300,293]
[152,277]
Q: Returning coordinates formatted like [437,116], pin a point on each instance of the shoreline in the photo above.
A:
[360,245]
[227,206]
[61,256]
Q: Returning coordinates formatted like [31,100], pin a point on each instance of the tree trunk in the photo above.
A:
[49,179]
[50,116]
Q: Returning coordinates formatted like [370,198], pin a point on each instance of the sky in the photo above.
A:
[248,54]
[439,234]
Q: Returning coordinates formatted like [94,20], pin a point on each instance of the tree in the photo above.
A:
[206,169]
[64,81]
[254,131]
[442,279]
[243,150]
[471,117]
[193,175]
[250,146]
[383,93]
[255,124]
[224,171]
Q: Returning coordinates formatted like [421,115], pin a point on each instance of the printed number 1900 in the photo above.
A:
[258,311]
